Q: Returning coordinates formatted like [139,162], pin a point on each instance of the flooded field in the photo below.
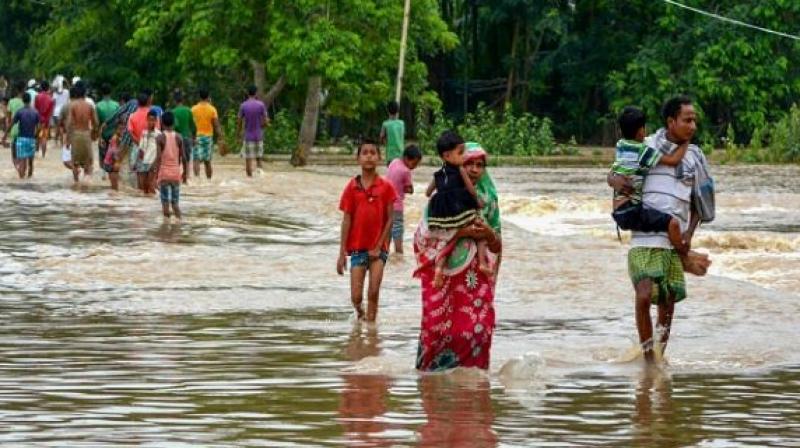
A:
[233,329]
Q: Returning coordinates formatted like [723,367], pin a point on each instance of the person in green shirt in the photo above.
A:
[184,125]
[393,133]
[106,109]
[14,106]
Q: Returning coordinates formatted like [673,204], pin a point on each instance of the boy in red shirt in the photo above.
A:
[368,204]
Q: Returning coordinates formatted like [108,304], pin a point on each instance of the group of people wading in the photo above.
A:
[153,148]
[458,278]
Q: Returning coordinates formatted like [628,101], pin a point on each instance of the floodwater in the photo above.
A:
[232,329]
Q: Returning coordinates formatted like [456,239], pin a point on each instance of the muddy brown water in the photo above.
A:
[232,328]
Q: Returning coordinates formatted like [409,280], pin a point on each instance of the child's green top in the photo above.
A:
[634,159]
[395,131]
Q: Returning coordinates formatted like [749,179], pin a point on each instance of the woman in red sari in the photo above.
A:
[458,319]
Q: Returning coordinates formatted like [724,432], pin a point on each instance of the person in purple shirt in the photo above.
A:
[27,119]
[253,117]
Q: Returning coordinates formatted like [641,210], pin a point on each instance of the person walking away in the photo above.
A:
[27,122]
[399,174]
[184,125]
[367,204]
[253,117]
[82,122]
[148,151]
[14,105]
[206,121]
[169,164]
[45,105]
[106,108]
[393,132]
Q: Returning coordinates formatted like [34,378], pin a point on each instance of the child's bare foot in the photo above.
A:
[438,279]
[696,263]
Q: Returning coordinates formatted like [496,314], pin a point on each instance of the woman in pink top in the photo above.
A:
[169,163]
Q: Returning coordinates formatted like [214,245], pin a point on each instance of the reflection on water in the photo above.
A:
[232,329]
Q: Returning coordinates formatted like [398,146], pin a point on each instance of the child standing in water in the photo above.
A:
[169,164]
[453,200]
[399,174]
[110,162]
[367,203]
[148,150]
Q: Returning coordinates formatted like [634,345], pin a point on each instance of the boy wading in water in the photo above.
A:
[399,174]
[169,164]
[367,203]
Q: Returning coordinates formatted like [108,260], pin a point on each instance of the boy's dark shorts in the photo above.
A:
[639,218]
[360,258]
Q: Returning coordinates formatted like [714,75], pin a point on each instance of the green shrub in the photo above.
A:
[784,138]
[281,135]
[501,134]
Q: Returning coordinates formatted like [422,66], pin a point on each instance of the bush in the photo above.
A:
[280,137]
[784,138]
[502,134]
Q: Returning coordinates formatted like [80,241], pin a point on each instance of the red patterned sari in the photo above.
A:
[457,320]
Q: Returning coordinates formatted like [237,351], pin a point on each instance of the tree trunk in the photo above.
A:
[259,76]
[275,90]
[512,65]
[308,130]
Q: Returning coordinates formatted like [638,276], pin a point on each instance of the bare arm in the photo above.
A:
[239,125]
[431,188]
[481,231]
[383,135]
[676,157]
[619,183]
[160,140]
[468,183]
[347,221]
[694,221]
[387,228]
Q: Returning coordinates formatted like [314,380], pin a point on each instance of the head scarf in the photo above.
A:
[485,187]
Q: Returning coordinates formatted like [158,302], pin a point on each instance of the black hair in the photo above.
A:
[365,142]
[80,89]
[177,96]
[125,97]
[631,120]
[448,141]
[148,92]
[44,86]
[152,113]
[73,92]
[19,87]
[673,107]
[392,107]
[167,119]
[4,100]
[252,90]
[203,93]
[105,89]
[412,152]
[26,98]
[142,99]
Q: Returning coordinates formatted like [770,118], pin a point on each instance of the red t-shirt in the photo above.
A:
[137,123]
[44,104]
[369,211]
